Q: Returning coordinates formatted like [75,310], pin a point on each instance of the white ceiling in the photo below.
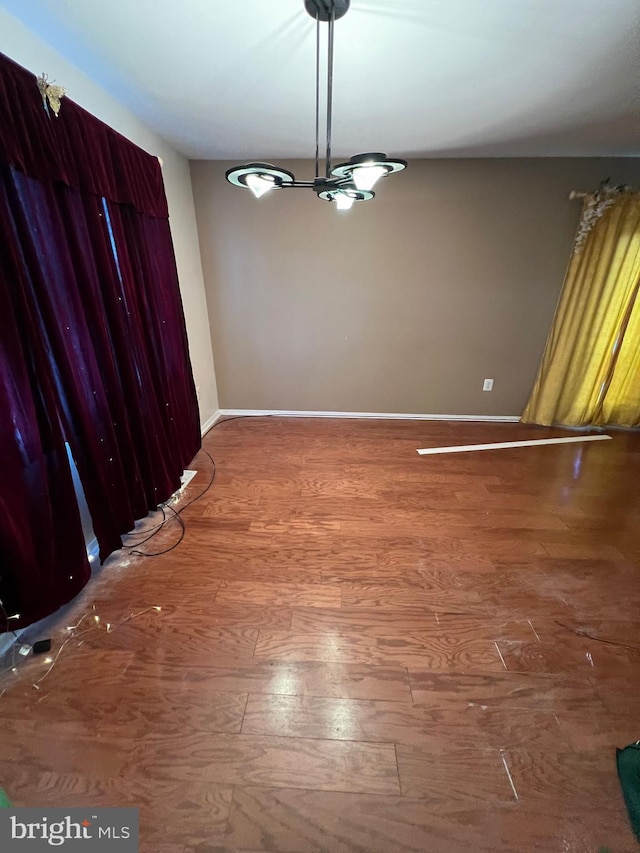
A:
[234,79]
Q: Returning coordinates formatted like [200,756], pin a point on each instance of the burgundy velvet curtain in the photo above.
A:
[93,347]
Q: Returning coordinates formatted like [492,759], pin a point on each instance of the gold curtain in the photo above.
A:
[590,371]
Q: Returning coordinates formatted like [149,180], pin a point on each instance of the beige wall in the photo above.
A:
[19,43]
[403,304]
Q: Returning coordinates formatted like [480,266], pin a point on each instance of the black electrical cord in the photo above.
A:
[133,549]
[148,530]
[155,530]
[238,418]
[183,530]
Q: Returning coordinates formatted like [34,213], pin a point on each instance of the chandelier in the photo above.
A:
[345,183]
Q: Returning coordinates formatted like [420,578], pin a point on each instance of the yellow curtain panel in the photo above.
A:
[590,371]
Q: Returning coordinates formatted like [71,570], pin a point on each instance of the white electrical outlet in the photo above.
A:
[487,385]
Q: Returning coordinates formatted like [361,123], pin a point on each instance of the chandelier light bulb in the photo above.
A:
[365,176]
[343,201]
[260,184]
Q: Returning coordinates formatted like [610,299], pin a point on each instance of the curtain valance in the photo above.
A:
[75,148]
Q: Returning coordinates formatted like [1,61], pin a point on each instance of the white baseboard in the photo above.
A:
[206,426]
[286,413]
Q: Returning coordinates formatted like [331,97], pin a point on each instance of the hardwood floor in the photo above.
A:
[358,650]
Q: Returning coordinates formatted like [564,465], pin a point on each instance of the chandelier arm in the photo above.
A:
[317,172]
[285,185]
[332,18]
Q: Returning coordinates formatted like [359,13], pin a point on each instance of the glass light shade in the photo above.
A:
[343,201]
[364,177]
[260,184]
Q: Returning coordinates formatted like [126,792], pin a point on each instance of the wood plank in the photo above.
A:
[138,705]
[368,595]
[295,526]
[530,691]
[322,765]
[178,638]
[566,777]
[467,775]
[296,678]
[453,627]
[586,658]
[374,623]
[268,594]
[350,719]
[412,649]
[192,603]
[576,548]
[291,821]
[61,747]
[417,566]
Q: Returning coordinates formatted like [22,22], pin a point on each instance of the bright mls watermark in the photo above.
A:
[78,829]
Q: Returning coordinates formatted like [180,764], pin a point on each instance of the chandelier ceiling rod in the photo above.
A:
[317,172]
[332,19]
